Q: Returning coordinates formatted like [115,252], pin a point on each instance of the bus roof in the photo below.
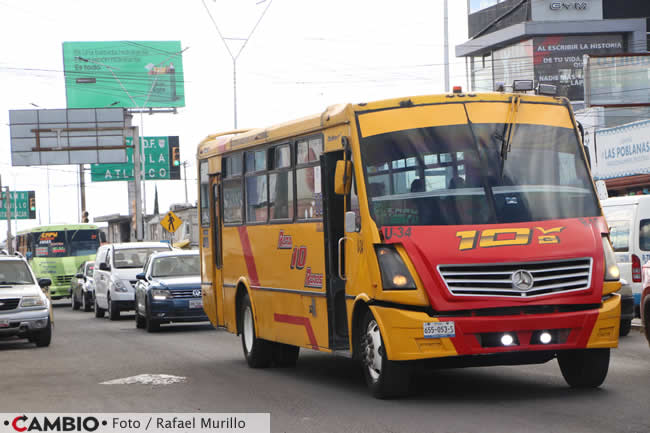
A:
[341,114]
[59,227]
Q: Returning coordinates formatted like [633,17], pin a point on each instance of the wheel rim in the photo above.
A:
[372,353]
[248,329]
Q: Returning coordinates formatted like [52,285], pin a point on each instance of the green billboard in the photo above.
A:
[23,205]
[123,74]
[161,161]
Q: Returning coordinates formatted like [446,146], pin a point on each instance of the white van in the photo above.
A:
[116,266]
[629,222]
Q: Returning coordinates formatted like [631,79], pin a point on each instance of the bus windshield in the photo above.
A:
[66,243]
[460,174]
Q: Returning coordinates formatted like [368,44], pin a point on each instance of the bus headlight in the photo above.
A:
[611,268]
[394,274]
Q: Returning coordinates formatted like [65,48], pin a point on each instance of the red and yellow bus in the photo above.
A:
[451,230]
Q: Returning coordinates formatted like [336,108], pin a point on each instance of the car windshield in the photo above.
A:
[455,174]
[176,266]
[133,257]
[14,272]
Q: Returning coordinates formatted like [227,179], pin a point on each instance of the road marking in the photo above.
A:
[147,379]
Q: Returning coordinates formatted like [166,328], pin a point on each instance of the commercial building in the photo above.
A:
[545,40]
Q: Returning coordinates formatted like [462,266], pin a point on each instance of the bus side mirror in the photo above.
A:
[343,177]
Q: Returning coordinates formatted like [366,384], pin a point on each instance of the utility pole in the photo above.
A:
[235,56]
[82,190]
[446,44]
[10,246]
[185,177]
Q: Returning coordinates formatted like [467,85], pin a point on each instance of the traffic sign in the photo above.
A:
[159,154]
[23,205]
[171,222]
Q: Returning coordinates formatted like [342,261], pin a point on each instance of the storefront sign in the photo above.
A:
[554,10]
[622,151]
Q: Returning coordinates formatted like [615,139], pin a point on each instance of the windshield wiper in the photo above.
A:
[508,132]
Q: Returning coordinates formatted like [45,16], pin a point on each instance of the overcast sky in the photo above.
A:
[303,56]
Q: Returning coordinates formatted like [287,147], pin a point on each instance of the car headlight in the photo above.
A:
[119,286]
[32,301]
[394,274]
[160,294]
[611,268]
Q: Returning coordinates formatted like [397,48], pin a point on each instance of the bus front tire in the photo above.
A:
[258,352]
[584,368]
[99,312]
[385,378]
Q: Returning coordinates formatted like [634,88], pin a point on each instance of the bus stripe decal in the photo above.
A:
[296,320]
[248,256]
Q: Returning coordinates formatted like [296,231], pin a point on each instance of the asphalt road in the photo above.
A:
[322,394]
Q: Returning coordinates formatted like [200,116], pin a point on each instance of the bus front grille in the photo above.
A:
[517,279]
[62,279]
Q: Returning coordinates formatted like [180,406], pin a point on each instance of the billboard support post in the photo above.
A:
[138,184]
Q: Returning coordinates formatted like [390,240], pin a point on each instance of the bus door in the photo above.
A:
[333,217]
[210,238]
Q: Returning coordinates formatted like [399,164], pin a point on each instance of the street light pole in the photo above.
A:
[185,177]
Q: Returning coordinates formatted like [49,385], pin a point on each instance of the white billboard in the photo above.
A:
[622,80]
[622,151]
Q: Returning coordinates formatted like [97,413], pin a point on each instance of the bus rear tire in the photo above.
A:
[584,368]
[285,355]
[258,352]
[385,378]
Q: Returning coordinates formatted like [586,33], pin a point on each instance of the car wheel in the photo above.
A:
[626,325]
[139,320]
[584,368]
[385,378]
[113,310]
[258,352]
[99,312]
[86,305]
[285,355]
[75,304]
[43,337]
[151,324]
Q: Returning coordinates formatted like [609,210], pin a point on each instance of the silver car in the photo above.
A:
[25,309]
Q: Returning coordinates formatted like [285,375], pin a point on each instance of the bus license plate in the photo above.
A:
[196,303]
[439,329]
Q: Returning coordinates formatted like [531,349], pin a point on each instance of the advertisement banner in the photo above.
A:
[123,74]
[161,161]
[622,151]
[558,59]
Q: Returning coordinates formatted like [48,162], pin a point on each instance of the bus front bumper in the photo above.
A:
[58,292]
[403,332]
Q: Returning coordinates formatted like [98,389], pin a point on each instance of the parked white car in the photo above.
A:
[629,222]
[116,266]
[25,309]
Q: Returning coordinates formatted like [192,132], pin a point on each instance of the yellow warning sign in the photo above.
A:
[171,222]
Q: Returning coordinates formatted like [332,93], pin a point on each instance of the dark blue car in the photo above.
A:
[169,290]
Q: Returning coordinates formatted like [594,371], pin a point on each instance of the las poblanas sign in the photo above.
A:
[161,160]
